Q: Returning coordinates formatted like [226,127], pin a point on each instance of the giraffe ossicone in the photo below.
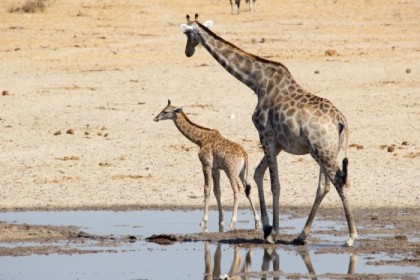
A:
[287,118]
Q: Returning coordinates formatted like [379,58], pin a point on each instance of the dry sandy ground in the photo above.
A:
[97,72]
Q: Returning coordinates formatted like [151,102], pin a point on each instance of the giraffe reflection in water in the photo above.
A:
[241,267]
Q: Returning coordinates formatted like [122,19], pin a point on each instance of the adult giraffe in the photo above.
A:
[287,118]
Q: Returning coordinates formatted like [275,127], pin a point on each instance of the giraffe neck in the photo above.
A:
[192,131]
[247,68]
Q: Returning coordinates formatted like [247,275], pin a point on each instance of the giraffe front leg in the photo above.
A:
[217,194]
[271,151]
[207,189]
[259,177]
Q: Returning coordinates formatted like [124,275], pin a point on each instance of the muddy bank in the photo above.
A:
[388,231]
[46,239]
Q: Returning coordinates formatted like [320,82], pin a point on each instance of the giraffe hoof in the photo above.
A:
[270,240]
[299,241]
[349,243]
[267,231]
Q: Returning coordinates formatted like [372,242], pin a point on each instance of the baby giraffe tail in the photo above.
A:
[247,190]
[247,186]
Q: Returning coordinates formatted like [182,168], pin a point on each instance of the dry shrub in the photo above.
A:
[32,6]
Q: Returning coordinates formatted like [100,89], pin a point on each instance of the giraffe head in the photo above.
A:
[193,37]
[168,113]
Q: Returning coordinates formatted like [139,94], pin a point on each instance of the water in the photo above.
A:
[195,260]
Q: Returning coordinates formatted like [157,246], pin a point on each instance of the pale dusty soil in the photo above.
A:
[104,69]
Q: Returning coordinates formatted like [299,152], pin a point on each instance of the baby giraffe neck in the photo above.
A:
[190,130]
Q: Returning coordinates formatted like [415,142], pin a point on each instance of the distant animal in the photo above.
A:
[237,4]
[216,153]
[288,118]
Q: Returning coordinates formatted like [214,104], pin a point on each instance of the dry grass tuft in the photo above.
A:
[32,6]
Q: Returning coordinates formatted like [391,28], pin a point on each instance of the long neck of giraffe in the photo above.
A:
[192,131]
[247,68]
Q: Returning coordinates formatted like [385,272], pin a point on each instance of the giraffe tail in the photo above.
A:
[345,173]
[247,186]
[344,131]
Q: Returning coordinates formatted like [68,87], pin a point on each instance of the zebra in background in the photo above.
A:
[252,5]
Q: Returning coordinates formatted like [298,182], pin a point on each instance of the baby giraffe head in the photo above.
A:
[168,113]
[193,37]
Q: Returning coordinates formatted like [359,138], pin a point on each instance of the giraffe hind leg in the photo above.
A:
[235,183]
[339,179]
[323,189]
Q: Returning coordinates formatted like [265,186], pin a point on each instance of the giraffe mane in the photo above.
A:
[264,60]
[194,124]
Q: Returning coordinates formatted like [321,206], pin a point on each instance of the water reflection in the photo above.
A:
[241,268]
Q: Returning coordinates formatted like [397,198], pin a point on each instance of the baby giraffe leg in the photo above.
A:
[247,188]
[235,187]
[217,194]
[259,178]
[254,211]
[208,183]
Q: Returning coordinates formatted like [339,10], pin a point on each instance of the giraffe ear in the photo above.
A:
[185,27]
[178,110]
[208,23]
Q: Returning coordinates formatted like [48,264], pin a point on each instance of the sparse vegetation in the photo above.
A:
[32,6]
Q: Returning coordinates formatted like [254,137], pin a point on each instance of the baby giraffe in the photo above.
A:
[216,153]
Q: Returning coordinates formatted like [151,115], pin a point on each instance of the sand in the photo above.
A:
[82,81]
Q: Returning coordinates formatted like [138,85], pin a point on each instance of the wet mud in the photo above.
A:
[393,233]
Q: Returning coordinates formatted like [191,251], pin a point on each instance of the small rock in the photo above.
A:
[401,237]
[408,70]
[131,238]
[390,149]
[404,143]
[82,234]
[316,71]
[331,52]
[70,131]
[5,92]
[357,146]
[58,132]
